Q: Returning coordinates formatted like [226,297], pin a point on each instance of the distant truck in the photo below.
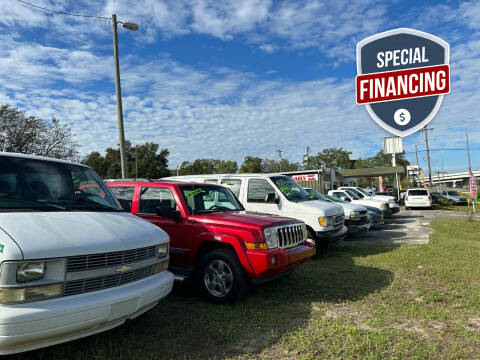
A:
[214,241]
[281,195]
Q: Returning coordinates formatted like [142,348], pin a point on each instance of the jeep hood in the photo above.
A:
[59,234]
[243,219]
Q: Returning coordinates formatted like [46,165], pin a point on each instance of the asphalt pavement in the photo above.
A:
[406,227]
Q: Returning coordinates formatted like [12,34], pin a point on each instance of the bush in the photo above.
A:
[443,202]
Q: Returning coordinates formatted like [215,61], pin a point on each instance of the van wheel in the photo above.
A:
[320,244]
[222,277]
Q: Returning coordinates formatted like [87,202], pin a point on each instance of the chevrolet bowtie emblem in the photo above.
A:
[123,269]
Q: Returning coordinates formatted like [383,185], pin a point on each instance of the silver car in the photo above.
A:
[454,197]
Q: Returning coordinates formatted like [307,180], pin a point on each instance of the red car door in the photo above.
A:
[150,200]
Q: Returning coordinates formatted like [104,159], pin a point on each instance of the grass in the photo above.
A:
[461,208]
[356,301]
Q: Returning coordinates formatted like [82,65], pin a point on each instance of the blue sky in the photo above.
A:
[226,79]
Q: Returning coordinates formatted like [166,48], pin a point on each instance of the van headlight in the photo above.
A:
[271,237]
[162,250]
[323,221]
[382,206]
[391,201]
[30,271]
[17,295]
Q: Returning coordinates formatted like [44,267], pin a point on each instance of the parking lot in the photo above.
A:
[406,227]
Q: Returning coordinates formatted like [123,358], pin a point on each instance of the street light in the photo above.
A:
[121,132]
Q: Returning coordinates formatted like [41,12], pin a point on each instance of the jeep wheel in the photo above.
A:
[222,277]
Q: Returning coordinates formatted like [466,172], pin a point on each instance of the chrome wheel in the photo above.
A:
[218,278]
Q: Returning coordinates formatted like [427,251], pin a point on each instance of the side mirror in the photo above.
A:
[347,199]
[169,212]
[271,198]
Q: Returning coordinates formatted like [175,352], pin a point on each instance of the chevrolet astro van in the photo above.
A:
[72,262]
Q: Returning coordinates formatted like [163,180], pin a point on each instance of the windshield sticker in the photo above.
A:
[1,248]
[194,192]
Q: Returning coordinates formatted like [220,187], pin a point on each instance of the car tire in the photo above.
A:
[222,278]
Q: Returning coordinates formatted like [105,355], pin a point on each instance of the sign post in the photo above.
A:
[393,145]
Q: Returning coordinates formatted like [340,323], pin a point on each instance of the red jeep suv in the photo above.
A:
[213,239]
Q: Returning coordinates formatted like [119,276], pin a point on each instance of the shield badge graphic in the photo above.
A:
[403,75]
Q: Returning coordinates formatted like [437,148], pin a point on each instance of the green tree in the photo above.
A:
[32,135]
[272,166]
[251,164]
[146,159]
[334,158]
[227,167]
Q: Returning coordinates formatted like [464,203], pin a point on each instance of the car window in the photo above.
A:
[203,199]
[233,185]
[124,195]
[211,181]
[152,198]
[418,192]
[453,193]
[258,190]
[39,184]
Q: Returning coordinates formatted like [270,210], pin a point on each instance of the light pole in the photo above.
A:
[121,132]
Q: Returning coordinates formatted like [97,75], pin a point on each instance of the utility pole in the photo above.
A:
[425,131]
[136,164]
[468,147]
[416,152]
[280,155]
[308,158]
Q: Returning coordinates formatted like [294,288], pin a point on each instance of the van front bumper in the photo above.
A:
[332,236]
[358,225]
[35,325]
[270,264]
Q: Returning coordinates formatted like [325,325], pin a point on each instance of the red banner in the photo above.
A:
[403,84]
[473,185]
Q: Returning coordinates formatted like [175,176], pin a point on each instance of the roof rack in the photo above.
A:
[131,179]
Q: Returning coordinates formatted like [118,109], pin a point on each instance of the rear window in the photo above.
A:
[418,192]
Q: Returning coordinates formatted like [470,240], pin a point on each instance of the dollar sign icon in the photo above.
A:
[402,117]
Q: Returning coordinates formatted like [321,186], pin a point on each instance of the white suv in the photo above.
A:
[418,198]
[72,262]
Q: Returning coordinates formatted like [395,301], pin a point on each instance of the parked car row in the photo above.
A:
[79,255]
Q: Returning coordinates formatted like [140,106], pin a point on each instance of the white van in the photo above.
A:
[72,262]
[351,197]
[281,195]
[419,198]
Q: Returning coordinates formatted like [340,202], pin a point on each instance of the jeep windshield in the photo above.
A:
[42,185]
[205,199]
[291,189]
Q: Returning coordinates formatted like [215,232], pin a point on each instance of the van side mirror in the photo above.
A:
[271,198]
[169,212]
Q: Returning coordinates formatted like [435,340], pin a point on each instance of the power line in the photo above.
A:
[61,12]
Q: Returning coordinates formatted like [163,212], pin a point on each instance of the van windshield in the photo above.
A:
[291,189]
[315,194]
[42,185]
[204,199]
[352,194]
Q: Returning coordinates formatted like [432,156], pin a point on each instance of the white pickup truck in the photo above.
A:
[72,262]
[281,195]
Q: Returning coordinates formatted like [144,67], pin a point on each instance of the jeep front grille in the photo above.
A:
[290,236]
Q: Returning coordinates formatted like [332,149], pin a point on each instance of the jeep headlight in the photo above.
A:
[323,221]
[30,271]
[271,237]
[162,250]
